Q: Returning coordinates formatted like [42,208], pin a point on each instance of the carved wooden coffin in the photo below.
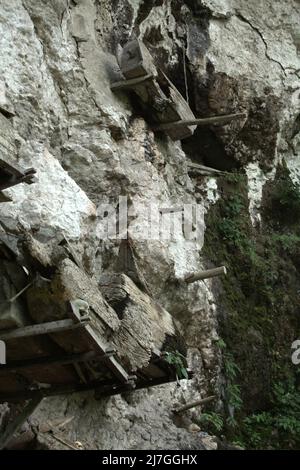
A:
[160,99]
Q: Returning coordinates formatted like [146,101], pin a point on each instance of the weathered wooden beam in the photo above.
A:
[111,362]
[16,366]
[15,297]
[214,120]
[25,177]
[123,84]
[102,388]
[199,276]
[61,389]
[62,441]
[41,329]
[193,404]
[202,169]
[13,427]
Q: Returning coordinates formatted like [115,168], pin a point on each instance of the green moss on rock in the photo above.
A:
[259,313]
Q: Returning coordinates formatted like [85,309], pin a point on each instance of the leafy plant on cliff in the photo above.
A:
[177,360]
[212,422]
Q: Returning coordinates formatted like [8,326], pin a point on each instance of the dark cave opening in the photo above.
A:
[206,147]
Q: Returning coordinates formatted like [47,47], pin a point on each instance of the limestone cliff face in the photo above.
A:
[91,146]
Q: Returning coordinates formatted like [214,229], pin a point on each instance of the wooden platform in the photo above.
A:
[73,335]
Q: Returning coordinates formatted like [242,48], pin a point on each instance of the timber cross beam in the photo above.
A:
[201,275]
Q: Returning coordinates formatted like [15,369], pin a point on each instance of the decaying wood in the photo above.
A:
[101,345]
[51,301]
[123,84]
[41,257]
[193,277]
[135,60]
[13,281]
[159,94]
[8,178]
[41,329]
[193,404]
[15,297]
[62,359]
[213,120]
[145,325]
[204,170]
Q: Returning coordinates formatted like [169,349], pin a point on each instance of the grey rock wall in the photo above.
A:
[91,146]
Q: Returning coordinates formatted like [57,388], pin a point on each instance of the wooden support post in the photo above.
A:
[188,406]
[15,297]
[123,84]
[199,276]
[26,177]
[13,427]
[214,120]
[111,362]
[41,329]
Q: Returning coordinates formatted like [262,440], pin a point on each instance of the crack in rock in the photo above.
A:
[257,30]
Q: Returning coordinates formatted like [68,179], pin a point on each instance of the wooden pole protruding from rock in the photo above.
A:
[201,275]
[188,406]
[213,120]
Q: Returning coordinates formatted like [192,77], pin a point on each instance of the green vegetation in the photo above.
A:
[213,422]
[260,304]
[178,361]
[282,422]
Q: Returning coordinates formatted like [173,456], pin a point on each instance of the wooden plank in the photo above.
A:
[102,388]
[197,166]
[123,84]
[193,404]
[135,60]
[65,359]
[13,427]
[213,120]
[199,276]
[96,340]
[55,390]
[10,181]
[41,329]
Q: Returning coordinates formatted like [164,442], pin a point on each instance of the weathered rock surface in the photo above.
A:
[91,146]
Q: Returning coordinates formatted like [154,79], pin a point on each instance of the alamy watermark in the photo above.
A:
[2,353]
[149,221]
[296,352]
